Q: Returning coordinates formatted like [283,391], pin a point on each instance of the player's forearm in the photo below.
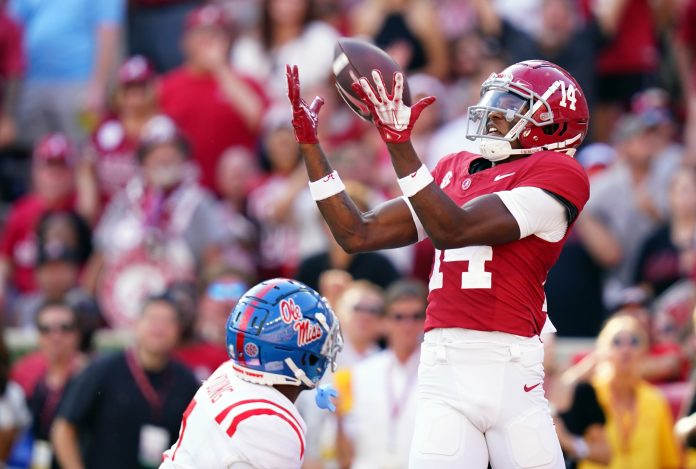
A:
[484,221]
[66,444]
[344,219]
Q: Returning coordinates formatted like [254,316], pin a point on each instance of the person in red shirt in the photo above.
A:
[111,160]
[628,62]
[53,179]
[685,55]
[498,222]
[214,106]
[11,68]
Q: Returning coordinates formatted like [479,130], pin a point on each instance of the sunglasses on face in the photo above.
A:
[632,341]
[63,328]
[403,317]
[376,310]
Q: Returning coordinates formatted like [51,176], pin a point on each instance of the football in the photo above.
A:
[355,58]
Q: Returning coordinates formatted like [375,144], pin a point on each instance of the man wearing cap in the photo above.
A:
[627,202]
[111,161]
[53,185]
[163,220]
[214,106]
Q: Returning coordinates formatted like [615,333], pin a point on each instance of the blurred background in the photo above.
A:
[146,149]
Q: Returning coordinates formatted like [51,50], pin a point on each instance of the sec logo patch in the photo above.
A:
[466,183]
[251,350]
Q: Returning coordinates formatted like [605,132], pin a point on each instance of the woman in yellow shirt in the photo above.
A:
[639,422]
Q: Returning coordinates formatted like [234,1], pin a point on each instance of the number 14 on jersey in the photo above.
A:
[474,277]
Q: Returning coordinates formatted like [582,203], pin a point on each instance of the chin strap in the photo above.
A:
[497,150]
[299,373]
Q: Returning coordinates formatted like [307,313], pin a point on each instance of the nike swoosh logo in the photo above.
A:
[502,176]
[529,388]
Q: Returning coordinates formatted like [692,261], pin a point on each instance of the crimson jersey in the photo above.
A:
[499,288]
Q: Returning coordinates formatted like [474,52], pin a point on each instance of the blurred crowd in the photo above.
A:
[149,175]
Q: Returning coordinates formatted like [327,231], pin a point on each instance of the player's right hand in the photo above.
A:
[393,118]
[304,117]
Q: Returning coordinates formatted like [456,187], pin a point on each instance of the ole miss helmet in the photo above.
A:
[283,332]
[549,103]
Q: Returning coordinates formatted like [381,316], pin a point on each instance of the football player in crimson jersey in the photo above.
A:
[498,221]
[281,337]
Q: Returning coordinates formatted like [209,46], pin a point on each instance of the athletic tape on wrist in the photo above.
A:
[327,186]
[415,182]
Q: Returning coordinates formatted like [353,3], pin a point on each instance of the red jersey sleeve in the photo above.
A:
[559,174]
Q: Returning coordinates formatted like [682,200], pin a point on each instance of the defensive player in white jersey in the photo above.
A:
[498,221]
[282,336]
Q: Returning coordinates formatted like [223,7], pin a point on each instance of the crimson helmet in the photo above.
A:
[549,103]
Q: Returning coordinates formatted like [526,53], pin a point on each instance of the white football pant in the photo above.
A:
[480,398]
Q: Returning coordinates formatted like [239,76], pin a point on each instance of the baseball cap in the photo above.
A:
[596,155]
[136,70]
[158,130]
[54,148]
[206,17]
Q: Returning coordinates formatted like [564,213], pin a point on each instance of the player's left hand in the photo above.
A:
[305,119]
[324,396]
[394,119]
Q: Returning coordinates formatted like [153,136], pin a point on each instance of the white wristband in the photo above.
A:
[581,448]
[415,182]
[327,186]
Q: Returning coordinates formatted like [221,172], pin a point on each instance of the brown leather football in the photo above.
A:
[355,58]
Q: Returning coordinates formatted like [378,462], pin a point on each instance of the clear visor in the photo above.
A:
[510,105]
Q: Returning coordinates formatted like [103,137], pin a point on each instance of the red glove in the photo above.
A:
[304,118]
[394,119]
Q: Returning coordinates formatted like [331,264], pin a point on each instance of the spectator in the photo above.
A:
[238,173]
[214,105]
[379,425]
[685,57]
[53,181]
[564,39]
[371,266]
[206,349]
[639,421]
[129,403]
[59,345]
[408,30]
[637,207]
[287,33]
[111,154]
[669,253]
[11,69]
[167,18]
[57,273]
[14,413]
[274,204]
[629,60]
[578,417]
[171,224]
[71,47]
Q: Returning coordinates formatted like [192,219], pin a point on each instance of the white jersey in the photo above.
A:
[232,423]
